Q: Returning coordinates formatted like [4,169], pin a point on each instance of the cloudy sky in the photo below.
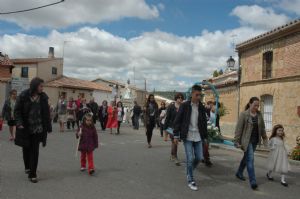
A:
[171,43]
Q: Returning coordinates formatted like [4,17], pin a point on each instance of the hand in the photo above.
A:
[176,141]
[237,145]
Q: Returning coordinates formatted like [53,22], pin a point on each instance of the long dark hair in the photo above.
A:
[119,102]
[252,99]
[34,84]
[148,100]
[274,131]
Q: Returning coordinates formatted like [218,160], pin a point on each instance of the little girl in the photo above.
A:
[88,142]
[278,157]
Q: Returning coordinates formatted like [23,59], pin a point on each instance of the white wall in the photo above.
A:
[101,95]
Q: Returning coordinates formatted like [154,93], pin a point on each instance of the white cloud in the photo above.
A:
[73,12]
[292,6]
[259,17]
[166,60]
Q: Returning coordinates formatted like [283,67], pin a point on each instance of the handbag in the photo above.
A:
[170,131]
[22,138]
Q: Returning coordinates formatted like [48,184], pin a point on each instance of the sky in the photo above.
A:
[170,43]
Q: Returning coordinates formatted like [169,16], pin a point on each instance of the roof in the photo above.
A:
[33,60]
[119,83]
[69,82]
[4,60]
[271,35]
[231,73]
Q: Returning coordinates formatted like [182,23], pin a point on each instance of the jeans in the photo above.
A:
[31,155]
[248,161]
[194,154]
[136,123]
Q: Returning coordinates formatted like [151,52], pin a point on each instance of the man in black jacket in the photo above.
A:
[33,123]
[190,126]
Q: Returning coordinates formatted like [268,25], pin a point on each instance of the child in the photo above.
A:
[278,157]
[88,142]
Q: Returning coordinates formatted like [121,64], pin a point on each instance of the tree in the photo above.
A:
[216,73]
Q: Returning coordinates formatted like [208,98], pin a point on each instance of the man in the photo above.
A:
[94,108]
[61,109]
[103,115]
[190,126]
[33,123]
[137,110]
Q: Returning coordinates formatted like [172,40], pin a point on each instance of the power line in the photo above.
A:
[26,10]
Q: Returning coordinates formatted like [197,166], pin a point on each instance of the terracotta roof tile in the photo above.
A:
[269,33]
[69,82]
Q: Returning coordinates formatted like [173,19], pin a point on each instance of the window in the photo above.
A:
[54,71]
[267,65]
[24,72]
[267,109]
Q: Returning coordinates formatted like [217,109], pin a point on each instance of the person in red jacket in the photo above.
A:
[88,142]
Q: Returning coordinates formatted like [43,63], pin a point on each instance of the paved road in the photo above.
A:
[127,169]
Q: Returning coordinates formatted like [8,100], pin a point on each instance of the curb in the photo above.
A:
[230,148]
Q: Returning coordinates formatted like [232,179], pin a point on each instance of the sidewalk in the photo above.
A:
[261,153]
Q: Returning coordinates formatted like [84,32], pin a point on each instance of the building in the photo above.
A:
[72,87]
[6,67]
[46,68]
[270,70]
[227,87]
[121,90]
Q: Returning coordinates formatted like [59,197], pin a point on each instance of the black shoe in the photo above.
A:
[270,178]
[242,178]
[92,171]
[254,186]
[284,184]
[208,163]
[33,180]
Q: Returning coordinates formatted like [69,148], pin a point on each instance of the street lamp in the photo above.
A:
[230,63]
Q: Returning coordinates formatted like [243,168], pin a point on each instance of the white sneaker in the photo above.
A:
[193,186]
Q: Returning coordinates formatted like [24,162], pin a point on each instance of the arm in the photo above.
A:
[178,121]
[168,116]
[263,131]
[18,112]
[271,144]
[239,129]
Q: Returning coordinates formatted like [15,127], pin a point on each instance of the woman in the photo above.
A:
[62,112]
[8,113]
[150,117]
[249,131]
[120,110]
[33,123]
[112,121]
[169,122]
[162,108]
[103,116]
[71,113]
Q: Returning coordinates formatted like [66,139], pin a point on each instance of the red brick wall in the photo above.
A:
[286,59]
[5,72]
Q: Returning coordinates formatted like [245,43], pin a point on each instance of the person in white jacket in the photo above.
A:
[278,157]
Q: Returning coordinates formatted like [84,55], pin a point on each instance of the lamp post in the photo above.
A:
[230,63]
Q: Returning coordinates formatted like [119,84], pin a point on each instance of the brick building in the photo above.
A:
[270,70]
[6,67]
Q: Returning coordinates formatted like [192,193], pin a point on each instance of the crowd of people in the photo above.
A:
[184,120]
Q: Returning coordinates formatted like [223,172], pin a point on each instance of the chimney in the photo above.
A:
[51,52]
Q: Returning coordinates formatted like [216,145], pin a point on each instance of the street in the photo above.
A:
[126,168]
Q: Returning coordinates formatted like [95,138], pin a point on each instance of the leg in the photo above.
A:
[83,159]
[34,155]
[90,160]
[73,124]
[206,154]
[26,158]
[240,172]
[250,163]
[137,123]
[119,126]
[188,146]
[68,125]
[198,152]
[161,130]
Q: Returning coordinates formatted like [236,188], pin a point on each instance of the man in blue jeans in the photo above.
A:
[190,126]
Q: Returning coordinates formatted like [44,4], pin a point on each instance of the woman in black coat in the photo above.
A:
[33,123]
